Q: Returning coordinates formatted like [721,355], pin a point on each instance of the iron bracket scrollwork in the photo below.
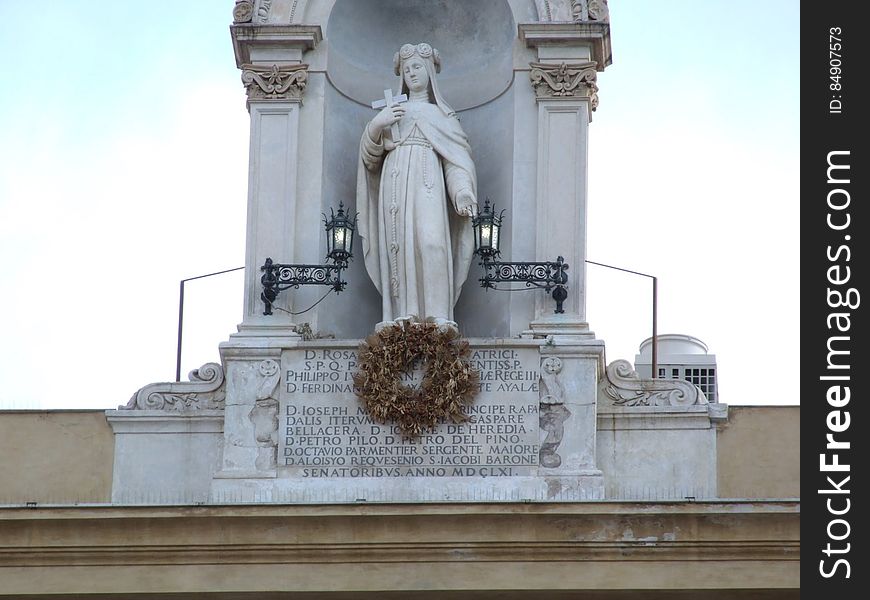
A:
[278,277]
[550,276]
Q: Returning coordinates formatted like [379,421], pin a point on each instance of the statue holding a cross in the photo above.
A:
[416,195]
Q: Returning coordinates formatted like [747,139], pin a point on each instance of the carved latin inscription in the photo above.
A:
[325,432]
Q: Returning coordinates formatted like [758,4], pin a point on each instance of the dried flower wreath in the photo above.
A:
[449,382]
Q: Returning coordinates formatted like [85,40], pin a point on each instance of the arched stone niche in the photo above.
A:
[473,38]
[316,12]
[476,41]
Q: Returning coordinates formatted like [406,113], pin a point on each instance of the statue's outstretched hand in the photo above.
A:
[466,204]
[388,115]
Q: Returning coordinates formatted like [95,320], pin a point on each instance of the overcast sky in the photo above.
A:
[123,169]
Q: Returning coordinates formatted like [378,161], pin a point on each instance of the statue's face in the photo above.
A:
[415,75]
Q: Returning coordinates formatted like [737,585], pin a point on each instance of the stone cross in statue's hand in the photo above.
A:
[388,100]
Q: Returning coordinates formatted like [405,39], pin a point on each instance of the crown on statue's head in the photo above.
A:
[423,50]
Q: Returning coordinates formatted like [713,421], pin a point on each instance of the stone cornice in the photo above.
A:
[248,37]
[275,82]
[594,34]
[679,536]
[565,81]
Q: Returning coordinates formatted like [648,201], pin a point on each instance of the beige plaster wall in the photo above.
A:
[59,456]
[66,456]
[759,452]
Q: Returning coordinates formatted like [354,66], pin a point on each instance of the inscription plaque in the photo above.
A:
[324,430]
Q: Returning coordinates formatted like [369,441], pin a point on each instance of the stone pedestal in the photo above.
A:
[279,421]
[296,432]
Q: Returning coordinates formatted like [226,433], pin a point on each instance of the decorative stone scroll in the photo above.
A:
[243,11]
[552,412]
[577,11]
[286,82]
[264,415]
[565,81]
[624,387]
[205,390]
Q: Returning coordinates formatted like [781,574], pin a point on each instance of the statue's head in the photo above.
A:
[423,51]
[417,65]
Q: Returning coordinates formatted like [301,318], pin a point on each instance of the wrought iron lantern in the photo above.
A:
[487,226]
[550,276]
[339,235]
[278,277]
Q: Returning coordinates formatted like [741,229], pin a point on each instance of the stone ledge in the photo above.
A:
[163,421]
[600,545]
[596,35]
[288,42]
[612,418]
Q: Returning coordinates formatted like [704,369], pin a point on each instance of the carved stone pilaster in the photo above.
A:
[286,82]
[565,81]
[624,387]
[205,391]
[243,11]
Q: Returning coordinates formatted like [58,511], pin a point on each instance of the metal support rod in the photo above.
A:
[655,338]
[655,345]
[181,315]
[180,329]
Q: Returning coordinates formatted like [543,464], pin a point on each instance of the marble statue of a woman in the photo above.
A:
[416,196]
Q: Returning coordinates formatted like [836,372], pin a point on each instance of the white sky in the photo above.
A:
[123,169]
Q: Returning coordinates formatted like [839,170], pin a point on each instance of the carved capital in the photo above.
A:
[243,11]
[205,390]
[623,387]
[275,83]
[565,81]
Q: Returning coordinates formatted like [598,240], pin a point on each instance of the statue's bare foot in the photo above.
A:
[383,325]
[446,325]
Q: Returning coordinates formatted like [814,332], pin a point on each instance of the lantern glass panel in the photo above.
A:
[485,236]
[339,238]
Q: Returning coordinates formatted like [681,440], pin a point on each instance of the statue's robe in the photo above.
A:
[417,247]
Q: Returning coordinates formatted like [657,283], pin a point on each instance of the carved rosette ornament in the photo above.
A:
[243,11]
[205,391]
[578,11]
[589,10]
[286,82]
[565,81]
[624,387]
